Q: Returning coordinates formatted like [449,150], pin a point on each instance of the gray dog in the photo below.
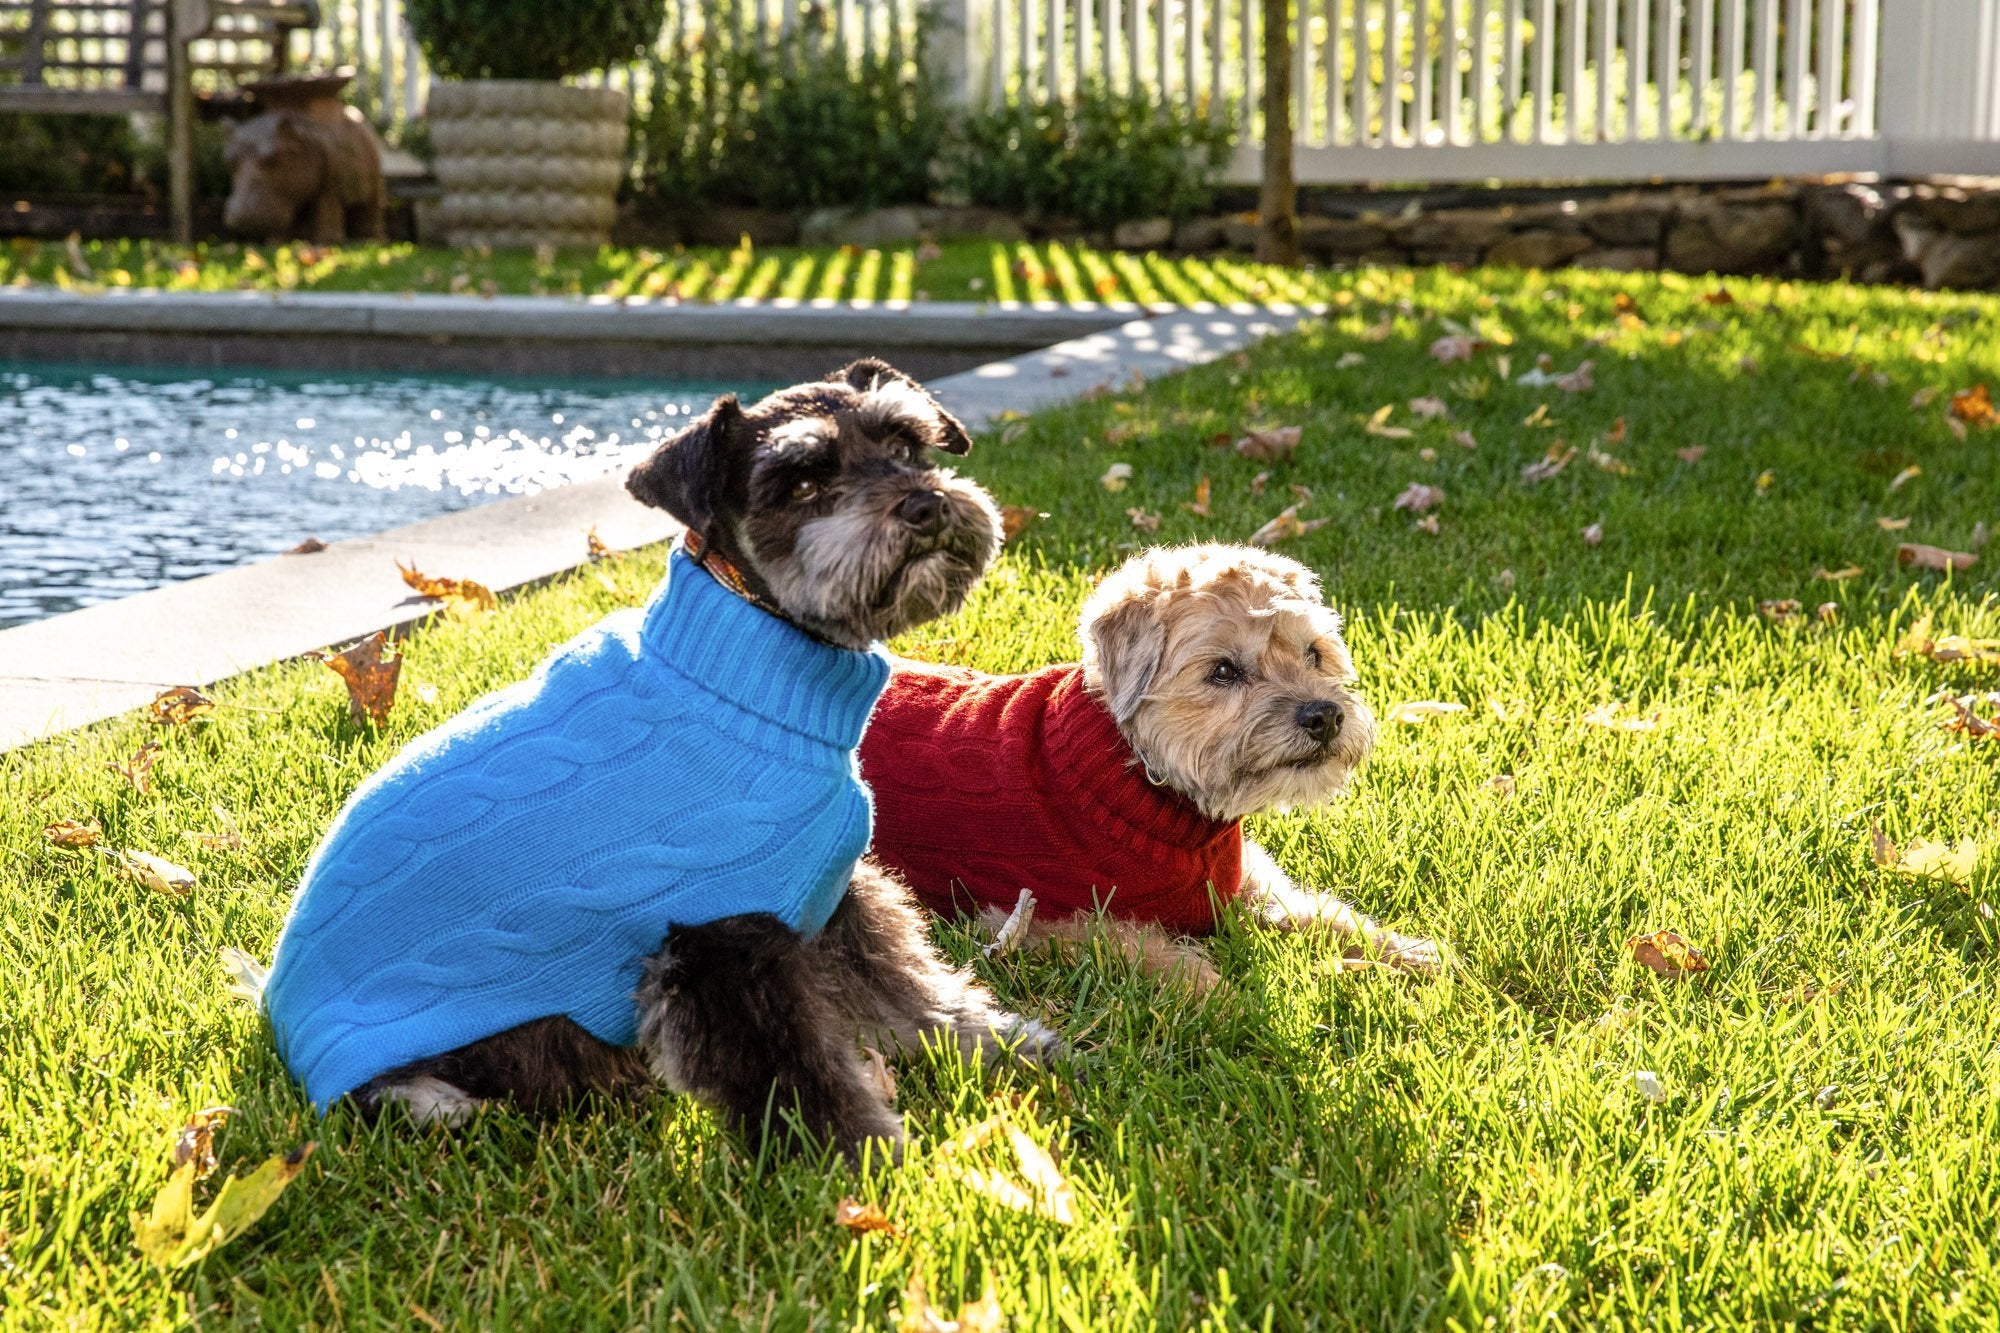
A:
[643,864]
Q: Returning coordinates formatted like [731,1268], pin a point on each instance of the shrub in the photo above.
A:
[1100,158]
[66,154]
[532,39]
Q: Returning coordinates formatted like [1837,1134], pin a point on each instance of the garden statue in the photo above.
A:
[306,166]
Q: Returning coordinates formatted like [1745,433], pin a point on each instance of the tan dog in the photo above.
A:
[1214,684]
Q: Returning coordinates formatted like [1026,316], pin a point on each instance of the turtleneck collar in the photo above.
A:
[763,665]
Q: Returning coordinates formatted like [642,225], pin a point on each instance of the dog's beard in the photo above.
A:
[1230,767]
[860,573]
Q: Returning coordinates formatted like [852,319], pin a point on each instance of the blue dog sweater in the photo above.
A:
[673,765]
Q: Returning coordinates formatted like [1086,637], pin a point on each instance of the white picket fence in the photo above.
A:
[1430,90]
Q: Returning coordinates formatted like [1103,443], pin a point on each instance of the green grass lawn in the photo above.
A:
[954,271]
[1313,1148]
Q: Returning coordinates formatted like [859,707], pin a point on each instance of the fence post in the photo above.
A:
[1939,99]
[960,45]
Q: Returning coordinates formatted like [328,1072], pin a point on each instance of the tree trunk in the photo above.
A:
[1277,204]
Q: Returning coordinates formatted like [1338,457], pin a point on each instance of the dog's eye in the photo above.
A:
[1312,656]
[805,491]
[1224,672]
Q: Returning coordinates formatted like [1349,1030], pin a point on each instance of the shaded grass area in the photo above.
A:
[953,271]
[1314,1148]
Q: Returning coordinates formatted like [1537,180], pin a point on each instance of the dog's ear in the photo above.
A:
[871,371]
[684,475]
[1124,640]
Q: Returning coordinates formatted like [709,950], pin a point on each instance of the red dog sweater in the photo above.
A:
[986,785]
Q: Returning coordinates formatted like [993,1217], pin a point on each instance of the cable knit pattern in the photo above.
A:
[985,785]
[672,765]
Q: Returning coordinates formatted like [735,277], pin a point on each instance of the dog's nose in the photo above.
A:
[1319,719]
[922,510]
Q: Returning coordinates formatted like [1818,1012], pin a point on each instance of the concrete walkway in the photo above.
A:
[79,668]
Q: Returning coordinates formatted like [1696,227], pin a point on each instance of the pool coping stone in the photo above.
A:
[84,666]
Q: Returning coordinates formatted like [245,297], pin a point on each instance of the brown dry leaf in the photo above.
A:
[370,676]
[196,1141]
[1606,716]
[1463,439]
[179,706]
[154,872]
[1828,612]
[1142,520]
[173,1236]
[1616,435]
[1968,723]
[1017,519]
[1780,610]
[595,544]
[1199,505]
[1578,380]
[227,838]
[1892,524]
[310,546]
[1840,575]
[72,833]
[1416,711]
[1609,462]
[1349,360]
[916,1315]
[1428,523]
[1720,296]
[1286,526]
[1936,558]
[1377,424]
[1594,534]
[459,594]
[1974,407]
[1259,482]
[1624,304]
[138,770]
[1553,462]
[1666,953]
[1419,498]
[1429,408]
[1270,446]
[863,1218]
[1502,785]
[1456,347]
[1691,454]
[1905,477]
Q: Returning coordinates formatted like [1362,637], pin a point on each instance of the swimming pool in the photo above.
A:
[115,480]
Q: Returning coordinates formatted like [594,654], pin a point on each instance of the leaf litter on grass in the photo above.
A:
[1666,953]
[1924,858]
[370,676]
[173,1235]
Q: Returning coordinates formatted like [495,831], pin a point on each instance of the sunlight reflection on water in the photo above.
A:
[113,481]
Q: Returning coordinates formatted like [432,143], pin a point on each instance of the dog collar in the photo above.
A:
[722,569]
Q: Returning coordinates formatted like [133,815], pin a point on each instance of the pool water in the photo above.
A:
[113,481]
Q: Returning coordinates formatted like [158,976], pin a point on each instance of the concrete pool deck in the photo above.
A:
[71,670]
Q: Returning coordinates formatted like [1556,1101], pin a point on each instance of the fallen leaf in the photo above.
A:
[1270,446]
[1501,785]
[1422,710]
[1903,478]
[1428,454]
[863,1218]
[1720,296]
[1779,610]
[370,676]
[1428,523]
[1380,330]
[1573,381]
[1349,360]
[1692,454]
[1046,1182]
[1285,527]
[1765,480]
[246,975]
[195,1144]
[154,872]
[1666,953]
[1429,408]
[1840,575]
[1014,928]
[138,770]
[1974,407]
[1609,462]
[1606,715]
[1919,556]
[174,1236]
[1892,524]
[1259,482]
[310,546]
[179,706]
[1116,476]
[1041,1188]
[73,834]
[1924,859]
[1594,534]
[1142,520]
[595,544]
[1199,505]
[1456,347]
[1917,641]
[916,1314]
[1968,723]
[228,838]
[1539,418]
[1648,1084]
[1827,612]
[1463,439]
[1419,498]
[1017,519]
[1377,424]
[1551,463]
[461,595]
[1924,397]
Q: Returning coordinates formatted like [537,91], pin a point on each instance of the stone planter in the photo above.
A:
[525,162]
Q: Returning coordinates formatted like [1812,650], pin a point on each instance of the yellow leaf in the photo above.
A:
[174,1236]
[1666,953]
[1040,1188]
[370,676]
[1286,526]
[154,872]
[1924,859]
[1422,710]
[862,1218]
[1840,575]
[459,595]
[179,706]
[1606,716]
[73,834]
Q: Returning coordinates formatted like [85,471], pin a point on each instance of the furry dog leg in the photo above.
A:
[544,1067]
[1269,892]
[883,969]
[739,1014]
[1142,944]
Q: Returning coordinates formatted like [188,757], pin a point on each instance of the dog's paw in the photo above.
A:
[1029,1040]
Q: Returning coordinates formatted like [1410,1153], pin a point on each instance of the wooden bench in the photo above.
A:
[121,56]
